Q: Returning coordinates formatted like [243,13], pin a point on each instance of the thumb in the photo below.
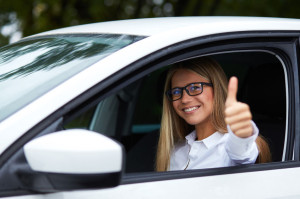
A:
[232,91]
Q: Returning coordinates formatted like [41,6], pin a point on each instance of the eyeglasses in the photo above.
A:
[191,89]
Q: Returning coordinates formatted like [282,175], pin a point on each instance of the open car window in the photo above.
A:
[132,114]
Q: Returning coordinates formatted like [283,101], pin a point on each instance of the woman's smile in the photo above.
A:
[191,109]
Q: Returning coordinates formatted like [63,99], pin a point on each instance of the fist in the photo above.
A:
[237,114]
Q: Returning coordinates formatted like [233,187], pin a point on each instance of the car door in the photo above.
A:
[241,54]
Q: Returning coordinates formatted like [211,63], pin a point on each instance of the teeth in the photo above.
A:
[190,109]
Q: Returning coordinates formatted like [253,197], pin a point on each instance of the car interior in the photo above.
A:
[132,115]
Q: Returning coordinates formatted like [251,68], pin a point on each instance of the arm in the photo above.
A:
[241,145]
[242,150]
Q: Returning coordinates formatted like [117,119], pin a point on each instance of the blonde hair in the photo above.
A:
[174,128]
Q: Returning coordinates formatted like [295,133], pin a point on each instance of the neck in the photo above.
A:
[204,130]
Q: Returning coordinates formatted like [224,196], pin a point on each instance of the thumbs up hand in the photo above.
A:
[237,114]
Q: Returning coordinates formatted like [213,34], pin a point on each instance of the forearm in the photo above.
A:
[242,150]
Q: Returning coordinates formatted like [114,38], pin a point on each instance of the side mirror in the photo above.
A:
[76,159]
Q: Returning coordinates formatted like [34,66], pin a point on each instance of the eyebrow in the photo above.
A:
[189,84]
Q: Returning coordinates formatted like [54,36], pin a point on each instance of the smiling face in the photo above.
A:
[195,110]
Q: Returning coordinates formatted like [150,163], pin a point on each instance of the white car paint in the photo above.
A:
[154,26]
[74,151]
[258,185]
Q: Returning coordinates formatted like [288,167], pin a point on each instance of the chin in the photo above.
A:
[192,122]
[198,121]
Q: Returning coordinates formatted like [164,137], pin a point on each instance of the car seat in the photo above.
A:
[264,91]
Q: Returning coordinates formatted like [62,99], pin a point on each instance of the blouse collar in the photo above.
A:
[209,142]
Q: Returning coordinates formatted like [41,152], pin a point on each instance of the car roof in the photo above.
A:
[153,26]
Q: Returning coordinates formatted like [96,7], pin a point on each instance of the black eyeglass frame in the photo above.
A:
[169,95]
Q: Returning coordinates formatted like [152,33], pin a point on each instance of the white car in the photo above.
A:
[80,108]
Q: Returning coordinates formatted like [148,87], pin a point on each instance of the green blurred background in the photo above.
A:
[22,18]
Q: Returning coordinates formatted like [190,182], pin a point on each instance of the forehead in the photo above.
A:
[183,77]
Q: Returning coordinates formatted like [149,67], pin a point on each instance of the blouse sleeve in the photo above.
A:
[242,150]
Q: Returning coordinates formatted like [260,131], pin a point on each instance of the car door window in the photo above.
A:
[132,115]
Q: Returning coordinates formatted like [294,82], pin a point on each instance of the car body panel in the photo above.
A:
[155,26]
[260,184]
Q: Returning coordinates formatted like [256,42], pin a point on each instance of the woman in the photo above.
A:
[201,126]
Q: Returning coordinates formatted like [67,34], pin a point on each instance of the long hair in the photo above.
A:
[174,128]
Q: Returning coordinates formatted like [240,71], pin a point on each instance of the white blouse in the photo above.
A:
[217,150]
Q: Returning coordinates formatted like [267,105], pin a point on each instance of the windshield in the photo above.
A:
[30,68]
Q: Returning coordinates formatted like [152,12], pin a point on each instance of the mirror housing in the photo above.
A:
[74,159]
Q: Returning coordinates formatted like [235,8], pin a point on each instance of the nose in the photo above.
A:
[185,97]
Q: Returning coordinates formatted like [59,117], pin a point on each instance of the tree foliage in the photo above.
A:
[34,16]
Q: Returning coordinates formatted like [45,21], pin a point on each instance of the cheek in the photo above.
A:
[175,104]
[210,100]
[176,108]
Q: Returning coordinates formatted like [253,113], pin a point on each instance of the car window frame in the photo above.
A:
[284,49]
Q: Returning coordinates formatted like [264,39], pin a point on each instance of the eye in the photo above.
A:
[176,92]
[194,88]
